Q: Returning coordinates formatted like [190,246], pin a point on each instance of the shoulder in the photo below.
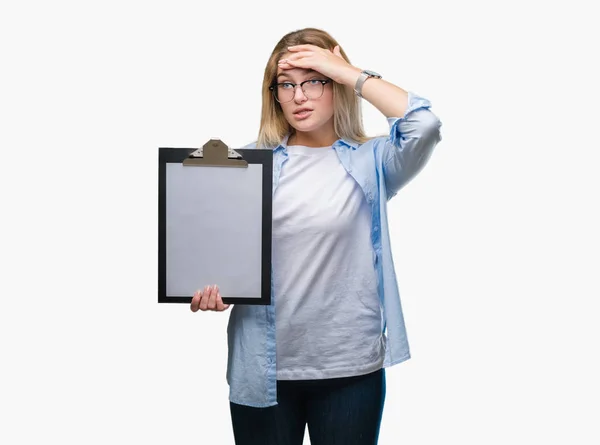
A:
[373,143]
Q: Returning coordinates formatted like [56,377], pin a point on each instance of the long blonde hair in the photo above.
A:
[347,114]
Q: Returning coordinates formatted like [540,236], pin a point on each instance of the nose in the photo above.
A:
[299,96]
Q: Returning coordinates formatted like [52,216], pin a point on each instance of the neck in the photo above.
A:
[322,138]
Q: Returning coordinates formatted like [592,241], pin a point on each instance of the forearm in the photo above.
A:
[388,98]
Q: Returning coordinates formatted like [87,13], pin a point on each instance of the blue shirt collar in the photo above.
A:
[337,144]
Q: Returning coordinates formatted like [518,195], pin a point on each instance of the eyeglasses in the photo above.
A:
[285,91]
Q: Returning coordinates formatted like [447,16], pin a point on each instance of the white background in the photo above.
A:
[495,242]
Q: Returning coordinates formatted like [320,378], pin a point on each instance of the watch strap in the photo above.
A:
[364,75]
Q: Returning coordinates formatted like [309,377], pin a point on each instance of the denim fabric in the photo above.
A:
[340,411]
[381,167]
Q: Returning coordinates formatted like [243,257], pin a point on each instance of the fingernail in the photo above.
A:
[283,61]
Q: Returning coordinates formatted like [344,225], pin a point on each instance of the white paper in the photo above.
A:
[214,229]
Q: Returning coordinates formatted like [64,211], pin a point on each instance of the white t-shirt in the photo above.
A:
[328,313]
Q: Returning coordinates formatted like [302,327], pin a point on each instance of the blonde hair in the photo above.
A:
[347,114]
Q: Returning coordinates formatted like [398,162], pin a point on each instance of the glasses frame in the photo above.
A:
[301,85]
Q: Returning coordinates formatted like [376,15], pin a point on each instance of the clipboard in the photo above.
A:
[215,223]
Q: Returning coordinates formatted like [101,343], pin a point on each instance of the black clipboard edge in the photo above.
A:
[251,156]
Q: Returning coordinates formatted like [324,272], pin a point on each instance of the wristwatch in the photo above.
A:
[364,75]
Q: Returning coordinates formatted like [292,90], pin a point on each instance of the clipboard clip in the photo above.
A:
[215,153]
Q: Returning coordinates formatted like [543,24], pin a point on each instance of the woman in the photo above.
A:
[335,311]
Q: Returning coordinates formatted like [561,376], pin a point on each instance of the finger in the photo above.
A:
[298,55]
[204,300]
[195,301]
[220,305]
[301,63]
[305,47]
[212,298]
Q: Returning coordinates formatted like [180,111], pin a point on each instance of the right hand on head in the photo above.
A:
[208,299]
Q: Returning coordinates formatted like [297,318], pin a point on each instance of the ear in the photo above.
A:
[336,51]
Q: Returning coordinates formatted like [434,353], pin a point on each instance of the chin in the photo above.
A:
[306,128]
[308,125]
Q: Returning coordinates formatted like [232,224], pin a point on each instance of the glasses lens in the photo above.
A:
[313,89]
[284,92]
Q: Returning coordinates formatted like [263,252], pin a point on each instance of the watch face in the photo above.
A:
[372,73]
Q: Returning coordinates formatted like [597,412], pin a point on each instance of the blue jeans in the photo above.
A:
[341,411]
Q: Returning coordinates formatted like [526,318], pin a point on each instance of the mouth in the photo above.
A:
[302,113]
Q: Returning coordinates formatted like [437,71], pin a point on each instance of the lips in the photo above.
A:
[302,113]
[300,110]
